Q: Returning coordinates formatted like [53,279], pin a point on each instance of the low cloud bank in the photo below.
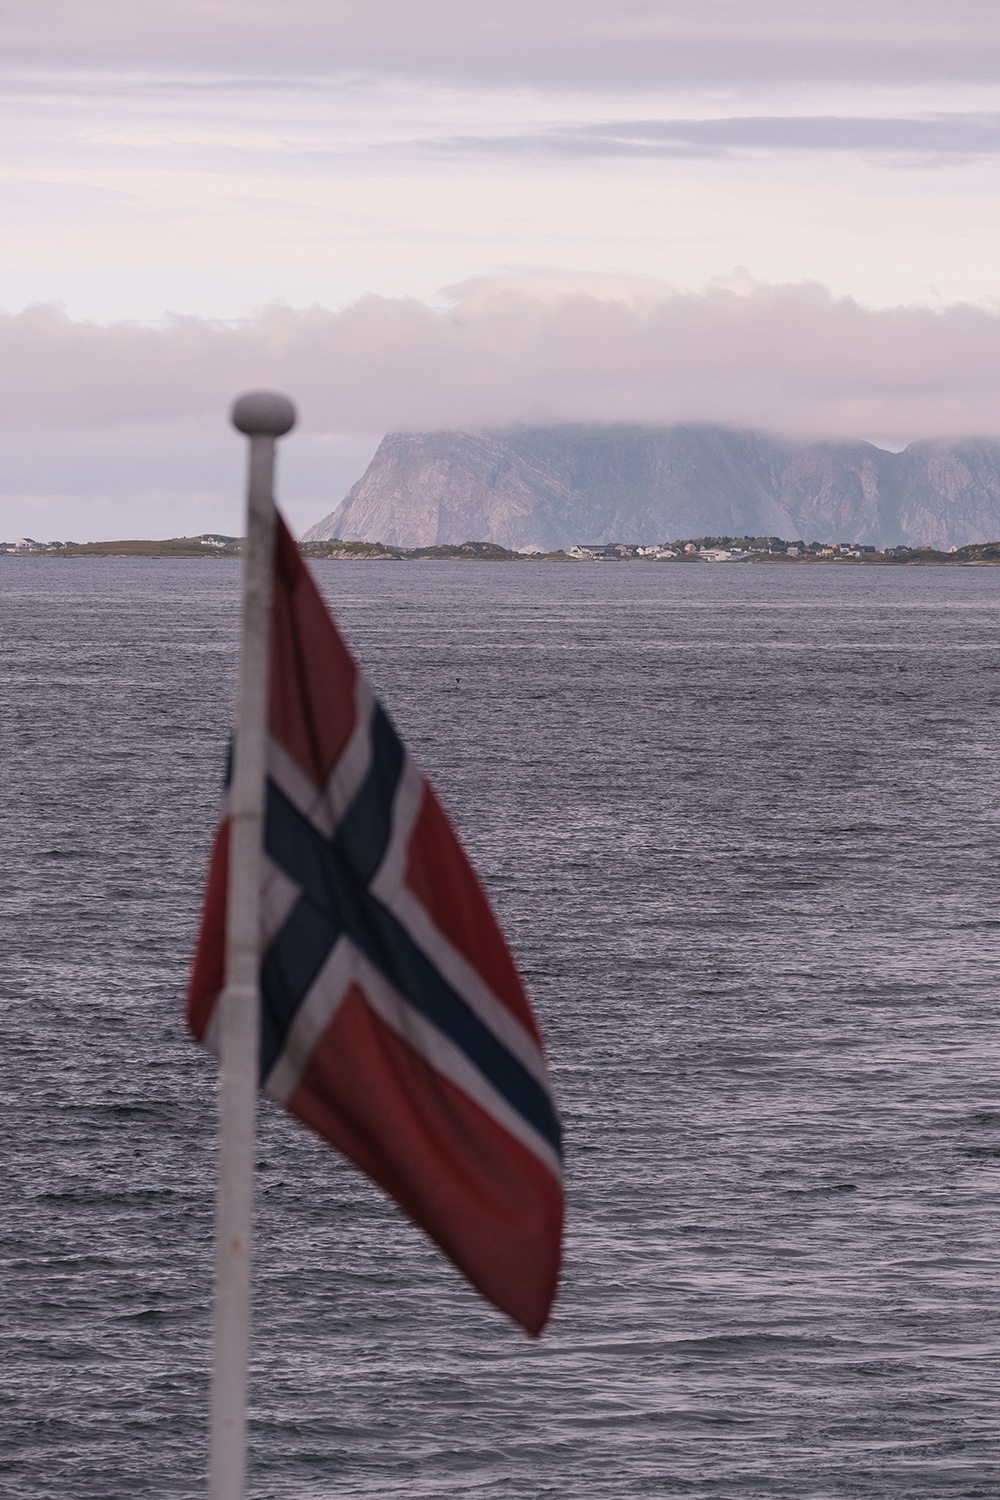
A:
[788,359]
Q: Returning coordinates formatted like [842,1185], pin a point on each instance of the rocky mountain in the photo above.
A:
[542,488]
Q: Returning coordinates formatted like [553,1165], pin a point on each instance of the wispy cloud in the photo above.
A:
[939,137]
[790,359]
[216,157]
[583,42]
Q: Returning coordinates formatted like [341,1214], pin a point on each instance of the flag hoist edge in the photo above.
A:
[393,1019]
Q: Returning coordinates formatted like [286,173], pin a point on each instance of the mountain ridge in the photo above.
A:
[545,488]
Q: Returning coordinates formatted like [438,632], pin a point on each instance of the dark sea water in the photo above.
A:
[741,824]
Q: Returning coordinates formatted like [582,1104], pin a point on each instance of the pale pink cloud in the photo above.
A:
[789,359]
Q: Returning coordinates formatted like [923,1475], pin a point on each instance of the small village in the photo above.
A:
[713,549]
[770,549]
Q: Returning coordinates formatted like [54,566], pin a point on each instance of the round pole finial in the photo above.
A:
[263,414]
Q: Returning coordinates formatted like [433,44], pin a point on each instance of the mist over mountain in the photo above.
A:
[548,487]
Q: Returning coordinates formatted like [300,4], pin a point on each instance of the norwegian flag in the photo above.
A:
[393,1020]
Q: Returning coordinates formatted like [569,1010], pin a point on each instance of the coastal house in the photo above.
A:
[604,551]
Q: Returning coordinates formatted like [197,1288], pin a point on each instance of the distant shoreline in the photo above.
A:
[704,550]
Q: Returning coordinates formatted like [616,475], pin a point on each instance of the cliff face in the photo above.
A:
[547,487]
[424,489]
[948,493]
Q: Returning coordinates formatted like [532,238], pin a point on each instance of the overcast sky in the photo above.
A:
[443,212]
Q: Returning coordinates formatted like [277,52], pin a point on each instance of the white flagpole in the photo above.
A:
[264,417]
